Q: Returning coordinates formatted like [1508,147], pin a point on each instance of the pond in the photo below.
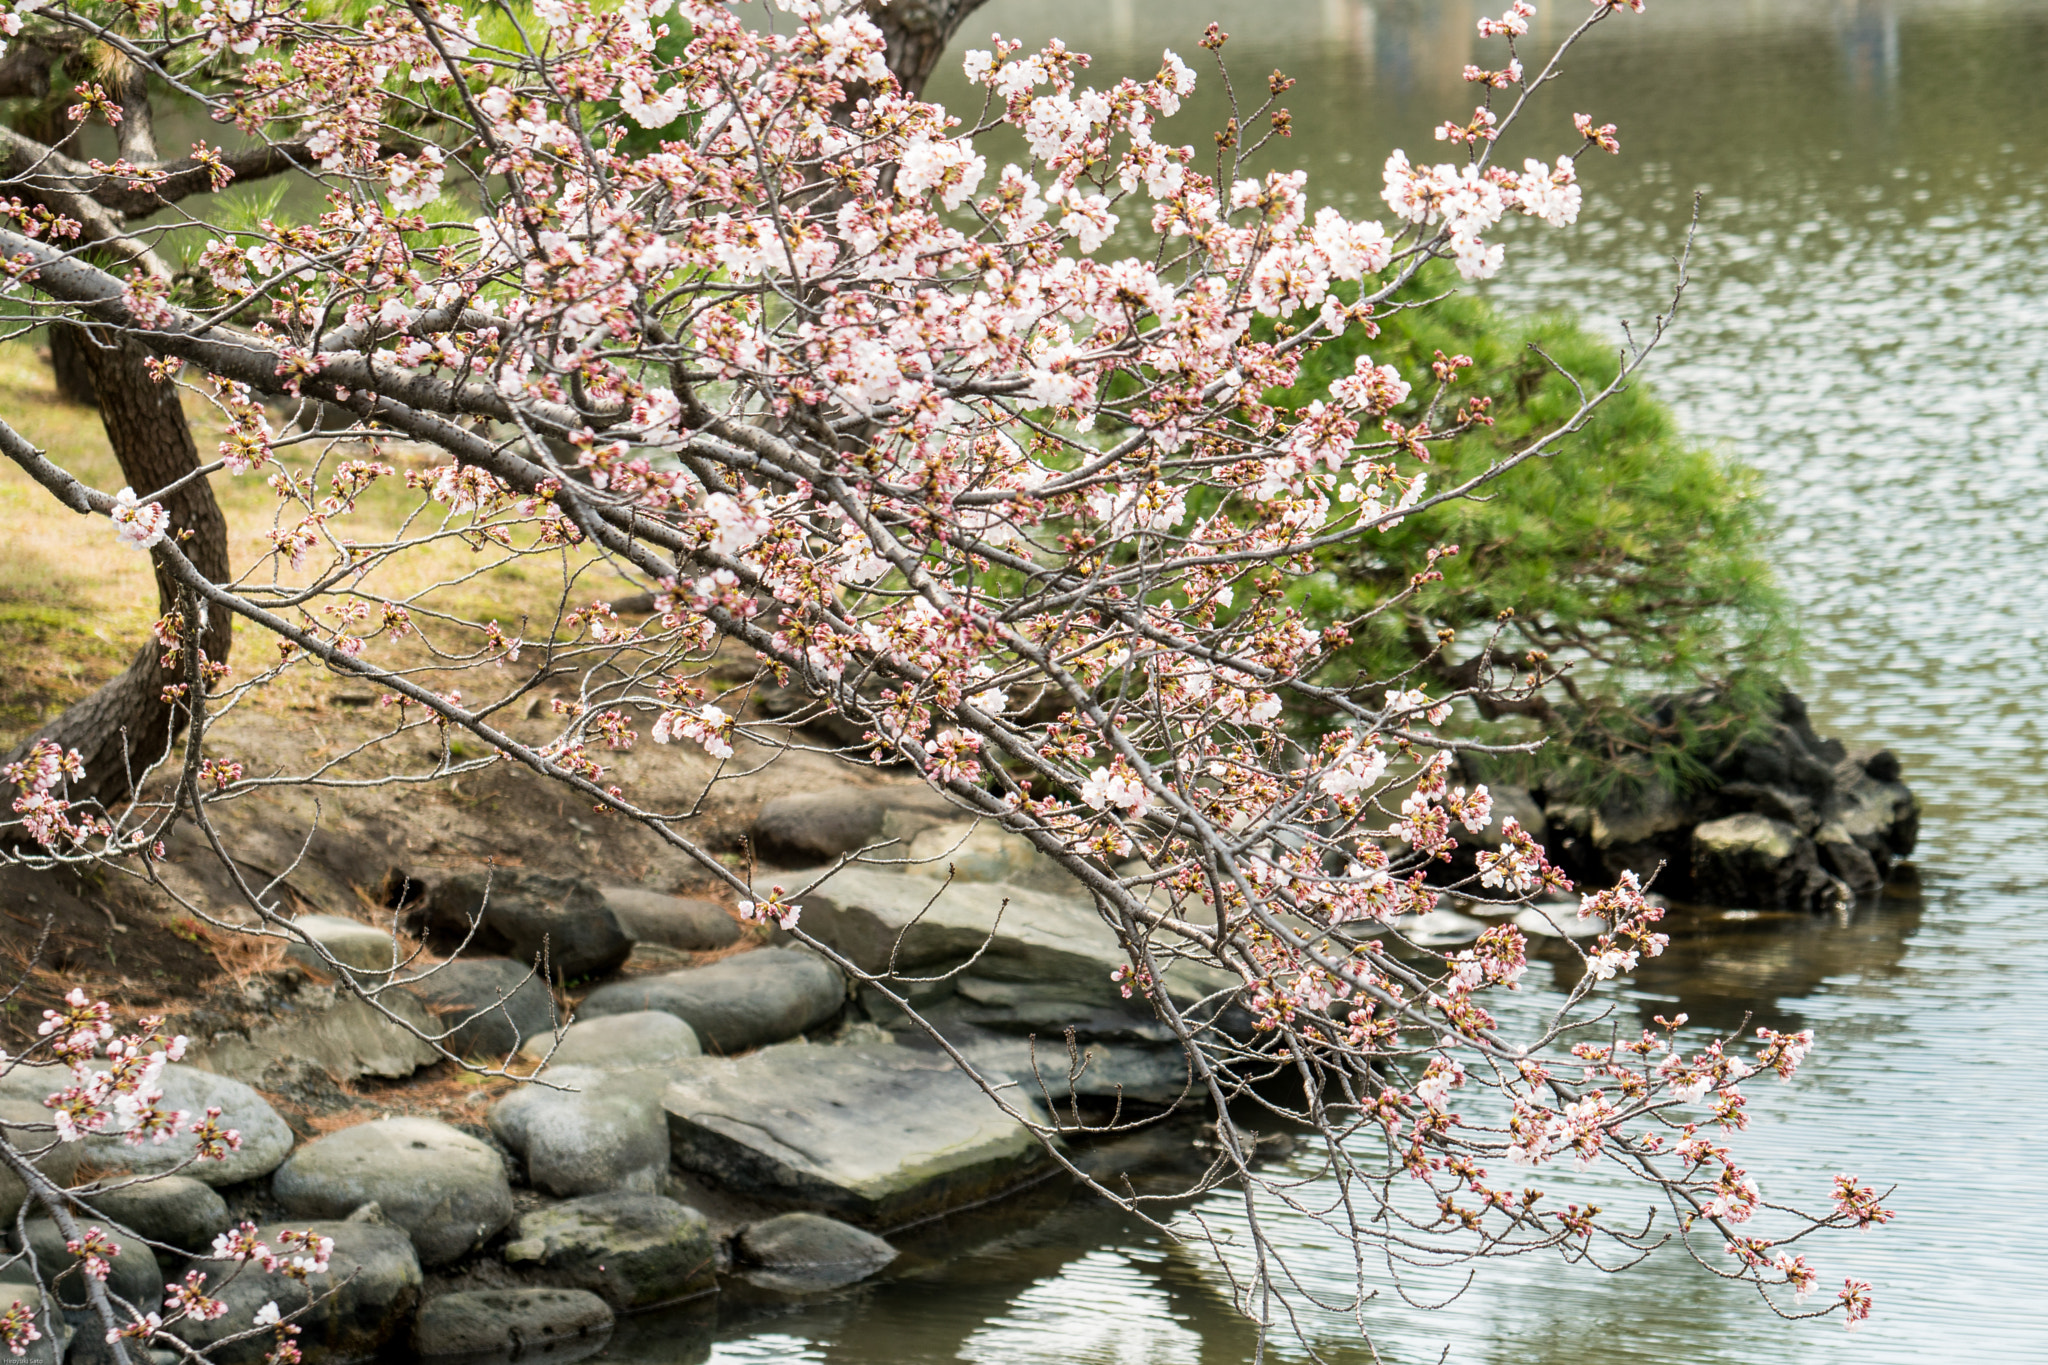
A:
[1867,323]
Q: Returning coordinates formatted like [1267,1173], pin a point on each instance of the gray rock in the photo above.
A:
[671,921]
[173,1209]
[604,1131]
[616,1042]
[877,1135]
[56,1332]
[524,915]
[982,851]
[1850,861]
[802,1252]
[633,1250]
[135,1275]
[265,1138]
[348,942]
[879,919]
[346,1039]
[744,1001]
[1752,860]
[59,1160]
[489,1004]
[513,1323]
[1131,1072]
[814,827]
[362,1304]
[446,1189]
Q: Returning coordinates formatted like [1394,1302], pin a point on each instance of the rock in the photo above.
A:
[1557,921]
[59,1160]
[1753,860]
[634,1251]
[879,920]
[346,1039]
[616,1042]
[174,1209]
[265,1139]
[1439,928]
[363,1302]
[604,1131]
[446,1189]
[135,1276]
[742,1002]
[1849,861]
[816,827]
[983,851]
[348,942]
[800,1252]
[671,921]
[491,1004]
[525,916]
[56,1337]
[1130,1072]
[876,1135]
[512,1323]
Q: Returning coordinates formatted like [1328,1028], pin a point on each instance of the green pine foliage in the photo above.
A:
[1631,554]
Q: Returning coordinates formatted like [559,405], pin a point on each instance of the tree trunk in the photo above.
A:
[917,32]
[126,724]
[68,365]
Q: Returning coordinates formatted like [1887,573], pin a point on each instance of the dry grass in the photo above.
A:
[75,604]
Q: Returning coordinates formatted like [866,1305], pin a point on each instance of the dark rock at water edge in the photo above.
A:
[364,1301]
[446,1189]
[808,1252]
[1786,820]
[634,1251]
[490,1004]
[745,1001]
[513,1323]
[526,917]
[878,1135]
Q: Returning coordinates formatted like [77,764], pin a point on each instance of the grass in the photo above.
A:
[75,604]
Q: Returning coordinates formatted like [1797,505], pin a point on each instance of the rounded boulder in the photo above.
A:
[266,1140]
[512,1323]
[446,1189]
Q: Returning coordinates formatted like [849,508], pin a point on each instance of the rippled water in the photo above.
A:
[1868,323]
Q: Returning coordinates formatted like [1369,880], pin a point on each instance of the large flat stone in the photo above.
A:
[745,1001]
[363,1302]
[876,1135]
[351,943]
[446,1189]
[879,919]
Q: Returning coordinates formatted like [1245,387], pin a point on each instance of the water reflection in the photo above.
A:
[1868,324]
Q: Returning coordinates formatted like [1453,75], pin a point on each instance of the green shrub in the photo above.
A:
[1629,553]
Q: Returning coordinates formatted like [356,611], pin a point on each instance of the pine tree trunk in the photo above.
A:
[68,365]
[126,724]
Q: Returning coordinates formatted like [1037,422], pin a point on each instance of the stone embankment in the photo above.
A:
[712,1108]
[709,1105]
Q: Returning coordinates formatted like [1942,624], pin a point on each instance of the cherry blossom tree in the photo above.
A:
[952,424]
